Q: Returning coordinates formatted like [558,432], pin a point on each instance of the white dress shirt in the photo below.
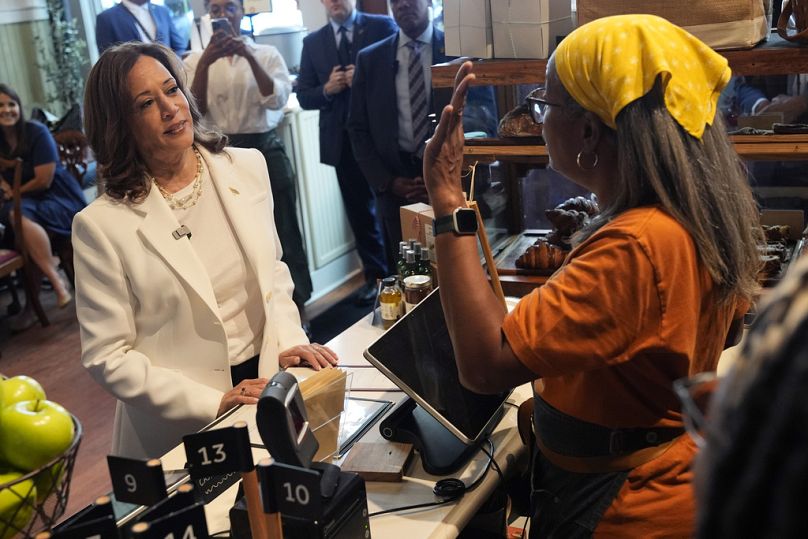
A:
[234,283]
[235,103]
[349,28]
[144,17]
[405,141]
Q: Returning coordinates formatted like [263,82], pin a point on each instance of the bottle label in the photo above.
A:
[389,310]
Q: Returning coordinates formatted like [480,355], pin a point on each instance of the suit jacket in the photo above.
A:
[373,116]
[749,90]
[117,25]
[151,333]
[316,62]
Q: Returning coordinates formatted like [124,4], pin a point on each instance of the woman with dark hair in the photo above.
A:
[50,196]
[184,305]
[751,473]
[647,295]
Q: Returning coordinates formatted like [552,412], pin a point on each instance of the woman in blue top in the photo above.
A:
[50,196]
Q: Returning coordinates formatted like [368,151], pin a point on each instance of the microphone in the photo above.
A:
[182,231]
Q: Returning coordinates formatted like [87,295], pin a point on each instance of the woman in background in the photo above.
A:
[184,305]
[50,195]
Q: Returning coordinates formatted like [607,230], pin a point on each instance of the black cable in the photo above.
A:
[493,461]
[416,506]
[453,489]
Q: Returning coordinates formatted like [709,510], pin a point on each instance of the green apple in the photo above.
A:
[16,503]
[49,480]
[32,433]
[20,388]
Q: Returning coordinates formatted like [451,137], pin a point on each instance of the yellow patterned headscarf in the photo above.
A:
[610,62]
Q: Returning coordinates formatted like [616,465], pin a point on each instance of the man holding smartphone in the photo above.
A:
[326,73]
[241,88]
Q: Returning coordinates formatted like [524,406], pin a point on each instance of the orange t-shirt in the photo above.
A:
[632,310]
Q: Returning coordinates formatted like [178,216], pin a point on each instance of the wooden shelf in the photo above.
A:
[771,147]
[750,147]
[773,57]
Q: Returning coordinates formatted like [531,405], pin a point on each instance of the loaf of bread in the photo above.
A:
[518,123]
[776,232]
[568,218]
[581,204]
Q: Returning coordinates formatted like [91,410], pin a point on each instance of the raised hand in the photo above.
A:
[443,157]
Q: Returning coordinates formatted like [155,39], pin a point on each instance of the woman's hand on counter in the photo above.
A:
[312,355]
[246,392]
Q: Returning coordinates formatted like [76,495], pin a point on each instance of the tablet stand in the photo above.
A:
[442,453]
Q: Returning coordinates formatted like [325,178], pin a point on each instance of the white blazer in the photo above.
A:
[151,333]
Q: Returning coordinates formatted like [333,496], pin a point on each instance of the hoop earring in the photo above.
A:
[578,161]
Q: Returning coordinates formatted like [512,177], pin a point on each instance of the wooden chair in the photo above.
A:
[73,147]
[18,259]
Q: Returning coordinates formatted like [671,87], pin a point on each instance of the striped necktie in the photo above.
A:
[418,95]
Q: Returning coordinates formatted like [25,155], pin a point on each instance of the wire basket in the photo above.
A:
[34,502]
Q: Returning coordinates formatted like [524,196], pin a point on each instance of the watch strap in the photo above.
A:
[443,224]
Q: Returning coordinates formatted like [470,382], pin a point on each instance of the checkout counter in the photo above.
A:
[440,521]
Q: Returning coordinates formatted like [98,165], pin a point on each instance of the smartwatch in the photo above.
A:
[462,221]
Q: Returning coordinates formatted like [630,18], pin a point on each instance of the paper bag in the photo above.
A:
[721,24]
[324,396]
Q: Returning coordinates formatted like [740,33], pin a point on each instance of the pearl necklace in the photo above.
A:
[190,200]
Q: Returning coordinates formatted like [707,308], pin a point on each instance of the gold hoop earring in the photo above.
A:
[578,161]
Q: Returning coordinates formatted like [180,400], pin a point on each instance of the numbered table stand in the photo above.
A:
[435,522]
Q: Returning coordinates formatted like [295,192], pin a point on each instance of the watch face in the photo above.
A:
[466,220]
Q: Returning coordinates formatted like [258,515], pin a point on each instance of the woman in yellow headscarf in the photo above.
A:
[648,294]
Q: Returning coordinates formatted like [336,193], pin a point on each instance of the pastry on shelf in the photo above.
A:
[771,266]
[776,232]
[568,218]
[775,248]
[518,123]
[581,204]
[541,256]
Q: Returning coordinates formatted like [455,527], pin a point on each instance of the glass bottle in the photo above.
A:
[411,265]
[401,260]
[425,264]
[416,288]
[390,302]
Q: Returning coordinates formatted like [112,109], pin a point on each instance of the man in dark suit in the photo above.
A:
[326,73]
[137,20]
[390,100]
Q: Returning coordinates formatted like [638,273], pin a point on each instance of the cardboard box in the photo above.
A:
[416,223]
[721,24]
[468,29]
[529,28]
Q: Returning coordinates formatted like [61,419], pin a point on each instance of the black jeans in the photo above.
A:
[284,195]
[247,370]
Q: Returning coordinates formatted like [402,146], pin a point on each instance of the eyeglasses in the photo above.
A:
[538,105]
[228,9]
[695,393]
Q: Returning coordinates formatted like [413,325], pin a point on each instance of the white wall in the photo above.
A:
[314,14]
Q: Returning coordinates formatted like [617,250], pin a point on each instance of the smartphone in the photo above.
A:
[222,25]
